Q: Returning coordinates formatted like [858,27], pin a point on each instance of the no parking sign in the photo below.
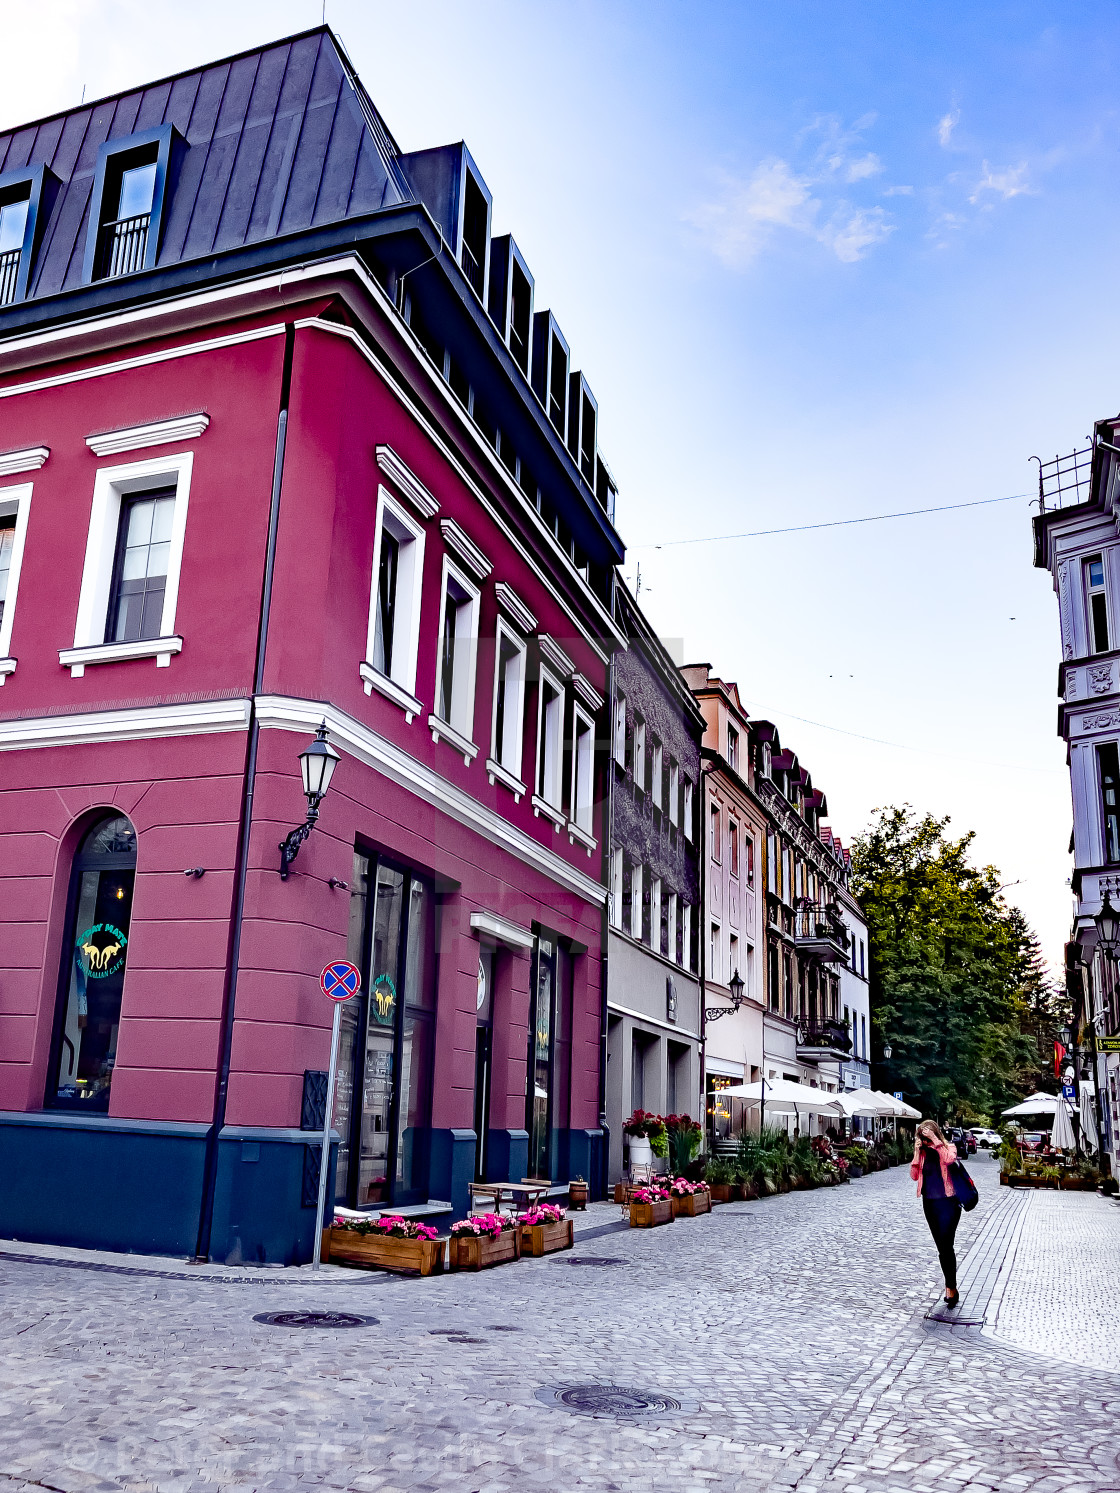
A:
[339,982]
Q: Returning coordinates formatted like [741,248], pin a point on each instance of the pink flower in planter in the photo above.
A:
[542,1213]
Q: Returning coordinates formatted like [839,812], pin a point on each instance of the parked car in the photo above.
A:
[988,1139]
[1033,1140]
[965,1144]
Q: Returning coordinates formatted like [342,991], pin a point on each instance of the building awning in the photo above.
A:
[724,1067]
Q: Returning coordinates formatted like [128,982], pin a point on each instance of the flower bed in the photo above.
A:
[544,1229]
[649,1207]
[386,1243]
[689,1199]
[483,1240]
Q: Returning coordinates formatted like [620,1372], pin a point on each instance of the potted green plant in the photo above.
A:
[717,1174]
[647,1137]
[483,1240]
[684,1136]
[544,1229]
[386,1243]
[856,1157]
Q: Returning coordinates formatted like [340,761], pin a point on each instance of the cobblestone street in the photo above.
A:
[792,1333]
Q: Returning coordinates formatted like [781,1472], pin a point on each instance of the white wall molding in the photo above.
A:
[465,549]
[28,460]
[588,693]
[405,480]
[514,608]
[201,717]
[280,712]
[553,654]
[14,501]
[159,433]
[77,660]
[501,930]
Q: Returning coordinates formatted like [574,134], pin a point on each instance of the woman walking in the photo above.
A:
[933,1156]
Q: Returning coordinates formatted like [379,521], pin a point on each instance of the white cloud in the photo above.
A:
[946,125]
[868,165]
[738,223]
[853,231]
[1004,184]
[898,191]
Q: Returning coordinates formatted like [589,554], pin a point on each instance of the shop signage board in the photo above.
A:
[339,982]
[1108,1044]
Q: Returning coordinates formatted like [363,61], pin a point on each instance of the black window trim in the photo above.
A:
[40,183]
[163,136]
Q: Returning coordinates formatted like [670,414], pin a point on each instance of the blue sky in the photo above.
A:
[817,261]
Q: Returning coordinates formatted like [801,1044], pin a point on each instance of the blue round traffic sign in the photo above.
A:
[341,980]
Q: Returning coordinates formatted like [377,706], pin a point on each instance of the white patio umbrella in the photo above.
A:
[1034,1104]
[784,1097]
[860,1102]
[1062,1137]
[897,1107]
[1088,1118]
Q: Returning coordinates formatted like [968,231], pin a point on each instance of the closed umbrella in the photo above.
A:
[1061,1137]
[1088,1118]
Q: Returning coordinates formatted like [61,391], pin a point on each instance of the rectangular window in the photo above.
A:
[636,902]
[127,202]
[732,748]
[714,832]
[626,922]
[639,763]
[655,913]
[1097,599]
[140,567]
[655,784]
[715,970]
[798,877]
[550,722]
[787,879]
[686,954]
[748,846]
[733,846]
[1109,766]
[671,948]
[674,793]
[394,620]
[618,745]
[774,978]
[787,983]
[733,954]
[13,228]
[7,547]
[509,701]
[862,965]
[458,636]
[616,888]
[863,1029]
[583,768]
[686,809]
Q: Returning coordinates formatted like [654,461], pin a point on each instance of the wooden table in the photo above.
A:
[521,1195]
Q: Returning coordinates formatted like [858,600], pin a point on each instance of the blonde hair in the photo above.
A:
[923,1133]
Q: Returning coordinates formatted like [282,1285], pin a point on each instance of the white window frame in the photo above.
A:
[655,914]
[506,758]
[399,685]
[13,500]
[657,763]
[733,847]
[639,773]
[672,920]
[615,908]
[619,743]
[674,791]
[550,803]
[715,952]
[733,955]
[686,809]
[636,875]
[457,731]
[110,485]
[581,823]
[732,747]
[715,846]
[686,936]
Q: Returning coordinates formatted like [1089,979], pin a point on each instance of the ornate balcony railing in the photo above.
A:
[1064,481]
[9,273]
[820,931]
[824,1037]
[124,245]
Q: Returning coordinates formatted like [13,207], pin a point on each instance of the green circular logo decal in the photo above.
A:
[383,999]
[100,950]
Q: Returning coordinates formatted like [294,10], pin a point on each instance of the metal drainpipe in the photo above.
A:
[229,993]
[604,966]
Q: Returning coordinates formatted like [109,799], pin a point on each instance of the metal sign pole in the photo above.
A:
[325,1154]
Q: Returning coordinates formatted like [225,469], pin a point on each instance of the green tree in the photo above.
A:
[958,985]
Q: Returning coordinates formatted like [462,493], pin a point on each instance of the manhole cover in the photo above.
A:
[314,1319]
[614,1400]
[593,1260]
[499,1328]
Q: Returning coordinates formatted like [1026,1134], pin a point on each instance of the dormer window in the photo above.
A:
[127,204]
[520,318]
[25,196]
[476,233]
[13,227]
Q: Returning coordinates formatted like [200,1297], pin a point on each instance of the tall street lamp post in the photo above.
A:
[1108,937]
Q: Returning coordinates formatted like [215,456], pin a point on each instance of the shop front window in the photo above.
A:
[99,915]
[548,1100]
[383,1096]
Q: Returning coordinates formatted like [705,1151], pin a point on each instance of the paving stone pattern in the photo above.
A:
[793,1330]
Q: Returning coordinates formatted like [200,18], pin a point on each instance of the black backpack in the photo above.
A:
[963,1186]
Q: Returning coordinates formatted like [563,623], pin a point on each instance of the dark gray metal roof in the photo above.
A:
[280,140]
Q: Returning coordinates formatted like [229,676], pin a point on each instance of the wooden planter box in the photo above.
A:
[382,1252]
[720,1192]
[1073,1184]
[649,1215]
[691,1206]
[545,1238]
[480,1251]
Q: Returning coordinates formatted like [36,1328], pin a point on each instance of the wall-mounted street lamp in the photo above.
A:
[887,1050]
[1108,927]
[317,763]
[735,985]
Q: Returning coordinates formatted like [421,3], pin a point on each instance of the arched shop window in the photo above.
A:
[91,979]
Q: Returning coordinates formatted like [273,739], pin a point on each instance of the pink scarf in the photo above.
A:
[946,1154]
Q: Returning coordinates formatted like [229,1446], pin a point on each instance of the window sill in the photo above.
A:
[78,659]
[375,680]
[444,731]
[501,774]
[7,666]
[542,806]
[576,835]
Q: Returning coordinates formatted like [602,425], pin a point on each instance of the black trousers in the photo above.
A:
[943,1215]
